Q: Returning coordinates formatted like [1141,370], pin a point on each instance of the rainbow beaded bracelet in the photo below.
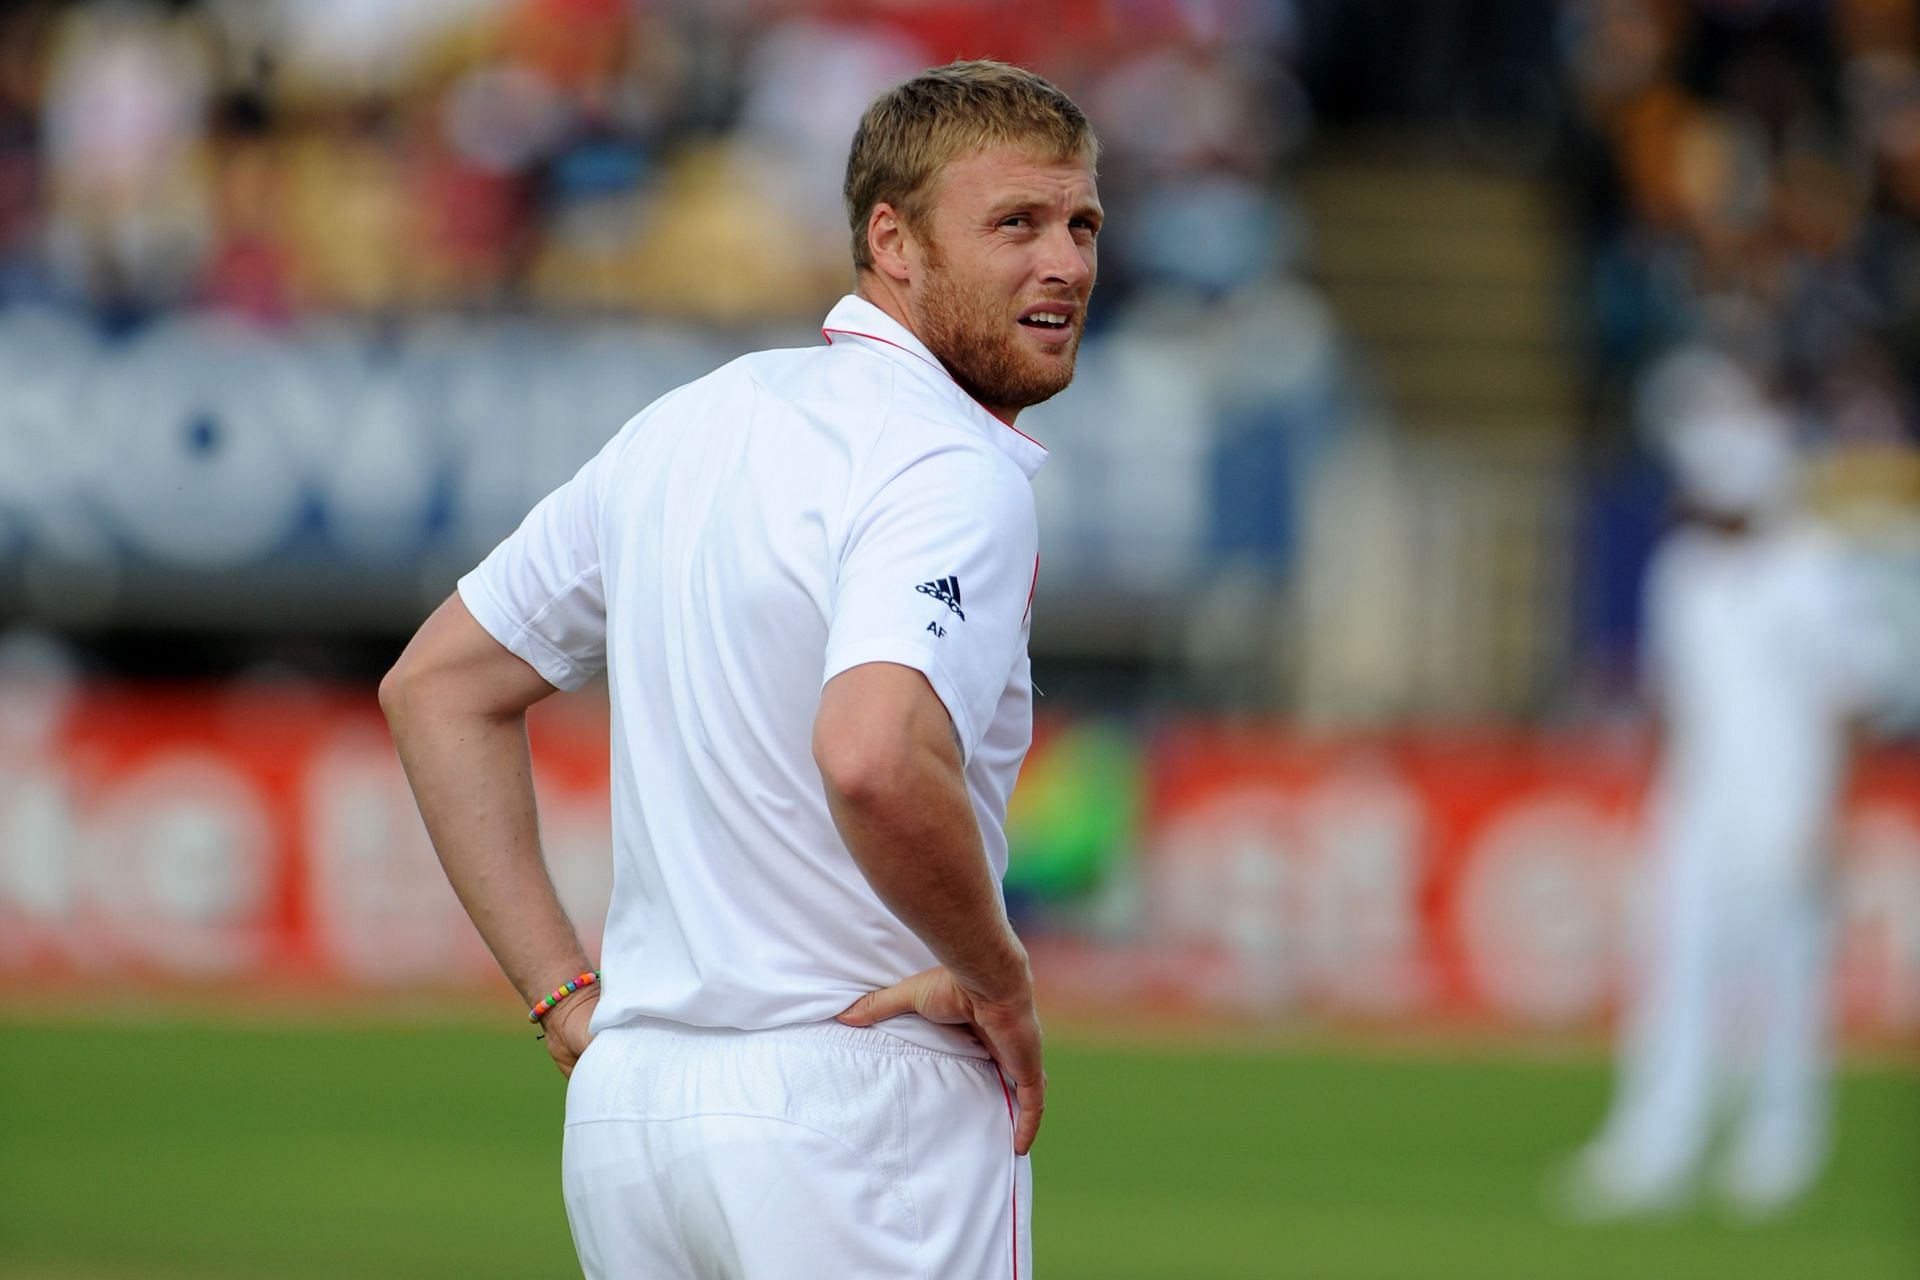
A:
[560,993]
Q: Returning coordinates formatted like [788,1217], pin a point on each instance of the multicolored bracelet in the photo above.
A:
[560,993]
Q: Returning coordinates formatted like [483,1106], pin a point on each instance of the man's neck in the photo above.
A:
[882,293]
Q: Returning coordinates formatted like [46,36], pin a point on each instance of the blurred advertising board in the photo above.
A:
[335,474]
[213,836]
[1477,877]
[230,834]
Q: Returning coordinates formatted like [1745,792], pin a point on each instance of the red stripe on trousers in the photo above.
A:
[1016,1181]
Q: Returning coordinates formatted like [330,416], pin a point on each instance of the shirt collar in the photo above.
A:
[856,318]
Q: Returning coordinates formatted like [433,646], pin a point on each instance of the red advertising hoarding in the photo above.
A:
[265,833]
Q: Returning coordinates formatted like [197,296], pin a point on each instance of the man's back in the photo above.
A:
[748,536]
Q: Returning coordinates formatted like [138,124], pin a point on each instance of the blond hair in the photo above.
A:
[914,130]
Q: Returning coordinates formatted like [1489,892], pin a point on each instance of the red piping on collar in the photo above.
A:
[874,337]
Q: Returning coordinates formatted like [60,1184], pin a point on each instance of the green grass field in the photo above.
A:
[189,1147]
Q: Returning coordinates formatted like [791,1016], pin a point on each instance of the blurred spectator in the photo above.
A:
[1196,124]
[1758,659]
[250,269]
[22,273]
[347,50]
[126,102]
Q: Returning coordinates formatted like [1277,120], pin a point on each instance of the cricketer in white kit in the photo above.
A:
[812,1049]
[1760,655]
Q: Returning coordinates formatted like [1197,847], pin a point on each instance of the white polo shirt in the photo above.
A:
[740,542]
[1759,650]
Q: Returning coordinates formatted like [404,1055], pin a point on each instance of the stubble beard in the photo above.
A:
[967,331]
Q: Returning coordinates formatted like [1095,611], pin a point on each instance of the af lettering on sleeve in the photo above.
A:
[935,574]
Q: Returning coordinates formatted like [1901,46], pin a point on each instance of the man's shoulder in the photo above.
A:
[827,379]
[776,379]
[1813,542]
[858,391]
[1817,560]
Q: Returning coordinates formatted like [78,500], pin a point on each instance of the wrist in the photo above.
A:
[1007,983]
[579,1008]
[587,980]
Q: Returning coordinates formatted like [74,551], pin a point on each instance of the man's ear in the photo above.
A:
[890,243]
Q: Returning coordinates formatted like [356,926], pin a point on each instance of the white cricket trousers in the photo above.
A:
[1734,941]
[816,1150]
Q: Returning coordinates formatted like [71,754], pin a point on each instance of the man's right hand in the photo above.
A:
[1010,1030]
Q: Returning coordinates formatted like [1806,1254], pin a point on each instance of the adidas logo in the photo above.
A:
[946,591]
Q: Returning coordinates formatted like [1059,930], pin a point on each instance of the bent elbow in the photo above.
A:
[881,736]
[396,688]
[860,772]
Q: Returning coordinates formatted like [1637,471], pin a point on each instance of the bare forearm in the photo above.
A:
[473,780]
[918,844]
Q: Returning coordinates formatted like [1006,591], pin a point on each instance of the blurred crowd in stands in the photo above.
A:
[1755,186]
[674,159]
[1757,164]
[1754,166]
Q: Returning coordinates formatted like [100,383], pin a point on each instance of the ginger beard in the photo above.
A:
[976,336]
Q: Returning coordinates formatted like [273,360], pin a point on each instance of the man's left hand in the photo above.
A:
[565,1027]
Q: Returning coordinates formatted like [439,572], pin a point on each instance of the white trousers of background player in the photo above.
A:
[789,1154]
[1728,1010]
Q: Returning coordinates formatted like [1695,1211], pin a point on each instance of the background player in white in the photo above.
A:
[1758,657]
[808,578]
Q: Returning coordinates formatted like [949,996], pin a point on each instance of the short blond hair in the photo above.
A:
[914,130]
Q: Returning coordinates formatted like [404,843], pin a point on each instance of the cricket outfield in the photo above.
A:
[193,1145]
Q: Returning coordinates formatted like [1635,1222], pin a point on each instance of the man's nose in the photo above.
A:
[1065,261]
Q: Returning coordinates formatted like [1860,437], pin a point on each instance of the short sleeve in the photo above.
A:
[539,592]
[936,573]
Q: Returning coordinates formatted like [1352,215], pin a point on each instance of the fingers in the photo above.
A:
[1010,1033]
[1022,1066]
[878,1006]
[567,1052]
[1012,1036]
[569,1030]
[1033,1101]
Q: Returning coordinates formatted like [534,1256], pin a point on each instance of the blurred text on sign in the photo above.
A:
[214,835]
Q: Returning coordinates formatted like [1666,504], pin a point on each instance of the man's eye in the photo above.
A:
[1017,220]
